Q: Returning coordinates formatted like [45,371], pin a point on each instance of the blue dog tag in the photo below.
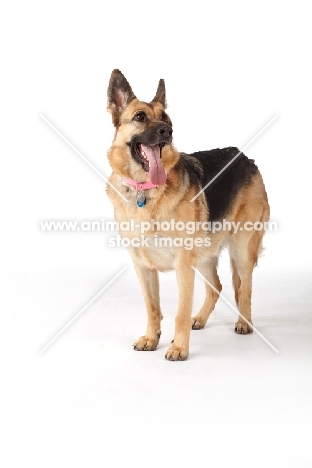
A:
[141,200]
[141,203]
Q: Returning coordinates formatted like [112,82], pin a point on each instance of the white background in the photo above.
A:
[89,400]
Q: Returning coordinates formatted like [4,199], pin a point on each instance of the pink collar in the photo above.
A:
[141,185]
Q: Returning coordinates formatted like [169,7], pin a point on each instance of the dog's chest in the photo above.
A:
[155,252]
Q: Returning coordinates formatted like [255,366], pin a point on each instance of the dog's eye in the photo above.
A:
[140,117]
[165,118]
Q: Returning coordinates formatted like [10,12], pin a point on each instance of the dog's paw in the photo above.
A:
[146,344]
[242,327]
[176,353]
[198,323]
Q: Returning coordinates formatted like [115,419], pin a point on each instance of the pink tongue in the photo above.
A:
[156,172]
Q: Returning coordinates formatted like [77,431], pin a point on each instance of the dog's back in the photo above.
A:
[222,192]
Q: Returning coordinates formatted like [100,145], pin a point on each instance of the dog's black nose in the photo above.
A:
[164,131]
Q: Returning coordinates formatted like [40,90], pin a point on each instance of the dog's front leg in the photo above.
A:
[150,287]
[179,349]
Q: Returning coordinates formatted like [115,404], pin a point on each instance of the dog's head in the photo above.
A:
[142,145]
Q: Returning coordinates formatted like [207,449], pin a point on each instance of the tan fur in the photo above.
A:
[173,201]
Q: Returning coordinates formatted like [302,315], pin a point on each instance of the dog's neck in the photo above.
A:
[141,185]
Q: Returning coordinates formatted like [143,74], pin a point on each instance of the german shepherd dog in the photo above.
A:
[161,187]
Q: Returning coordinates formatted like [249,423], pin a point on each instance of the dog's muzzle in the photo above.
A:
[146,149]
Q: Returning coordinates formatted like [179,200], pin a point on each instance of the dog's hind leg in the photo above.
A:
[209,272]
[251,209]
[150,287]
[236,280]
[244,249]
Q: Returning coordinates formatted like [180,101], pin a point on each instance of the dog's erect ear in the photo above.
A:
[160,95]
[119,95]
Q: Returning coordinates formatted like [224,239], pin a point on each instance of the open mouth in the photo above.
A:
[142,155]
[150,158]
